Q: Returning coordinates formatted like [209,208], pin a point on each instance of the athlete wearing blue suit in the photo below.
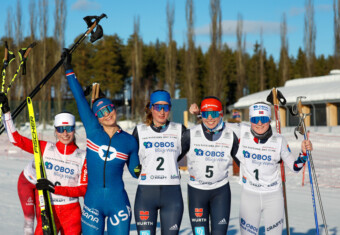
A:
[109,148]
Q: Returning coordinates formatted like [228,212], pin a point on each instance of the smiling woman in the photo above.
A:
[109,148]
[260,153]
[65,187]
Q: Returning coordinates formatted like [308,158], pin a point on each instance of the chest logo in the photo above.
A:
[107,152]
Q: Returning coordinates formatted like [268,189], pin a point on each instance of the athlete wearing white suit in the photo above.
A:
[260,155]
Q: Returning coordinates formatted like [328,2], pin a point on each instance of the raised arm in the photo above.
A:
[87,116]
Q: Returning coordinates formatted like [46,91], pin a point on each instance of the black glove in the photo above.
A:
[138,170]
[45,184]
[67,57]
[4,101]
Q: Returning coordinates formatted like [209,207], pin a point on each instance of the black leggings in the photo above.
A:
[165,198]
[214,203]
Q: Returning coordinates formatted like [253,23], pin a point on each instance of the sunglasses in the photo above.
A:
[61,129]
[256,120]
[159,107]
[213,114]
[105,110]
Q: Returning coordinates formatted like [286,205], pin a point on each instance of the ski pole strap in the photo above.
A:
[279,96]
[92,22]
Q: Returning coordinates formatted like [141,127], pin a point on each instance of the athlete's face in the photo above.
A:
[211,122]
[65,137]
[109,119]
[260,128]
[159,118]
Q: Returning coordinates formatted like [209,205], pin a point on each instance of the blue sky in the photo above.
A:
[257,14]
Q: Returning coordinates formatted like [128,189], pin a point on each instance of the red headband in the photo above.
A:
[211,104]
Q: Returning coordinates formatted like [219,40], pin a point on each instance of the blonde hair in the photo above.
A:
[148,115]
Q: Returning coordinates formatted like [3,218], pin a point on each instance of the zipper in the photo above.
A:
[107,153]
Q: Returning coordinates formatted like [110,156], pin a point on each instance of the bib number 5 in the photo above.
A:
[209,171]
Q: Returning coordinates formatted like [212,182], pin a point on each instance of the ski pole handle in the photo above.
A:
[29,48]
[6,52]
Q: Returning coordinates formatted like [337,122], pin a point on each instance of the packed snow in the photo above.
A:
[300,210]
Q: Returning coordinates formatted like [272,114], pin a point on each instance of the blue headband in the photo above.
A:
[100,103]
[160,96]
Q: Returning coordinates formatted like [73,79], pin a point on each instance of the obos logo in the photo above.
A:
[105,150]
[49,166]
[164,144]
[199,152]
[147,145]
[246,154]
[261,107]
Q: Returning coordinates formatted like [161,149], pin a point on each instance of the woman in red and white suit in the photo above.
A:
[65,167]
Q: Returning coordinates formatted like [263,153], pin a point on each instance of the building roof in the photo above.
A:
[323,89]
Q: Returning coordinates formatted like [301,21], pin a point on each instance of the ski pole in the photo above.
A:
[92,22]
[312,168]
[302,123]
[8,58]
[276,97]
[23,54]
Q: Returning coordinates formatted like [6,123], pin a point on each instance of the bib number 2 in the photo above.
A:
[161,162]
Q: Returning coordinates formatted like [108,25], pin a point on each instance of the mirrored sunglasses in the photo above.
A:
[105,110]
[256,120]
[159,107]
[213,114]
[61,129]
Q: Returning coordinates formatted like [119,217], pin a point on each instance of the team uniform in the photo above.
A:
[261,180]
[26,191]
[106,157]
[209,193]
[66,167]
[159,181]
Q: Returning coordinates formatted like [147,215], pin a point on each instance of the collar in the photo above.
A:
[160,128]
[262,138]
[66,149]
[216,129]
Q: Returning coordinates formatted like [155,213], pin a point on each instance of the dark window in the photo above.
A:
[318,117]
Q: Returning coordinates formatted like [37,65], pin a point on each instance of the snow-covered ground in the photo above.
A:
[300,210]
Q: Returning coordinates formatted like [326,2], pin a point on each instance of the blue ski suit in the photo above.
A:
[106,157]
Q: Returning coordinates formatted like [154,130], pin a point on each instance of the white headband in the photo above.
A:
[260,110]
[64,119]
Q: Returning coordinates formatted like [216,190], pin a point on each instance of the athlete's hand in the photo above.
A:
[4,101]
[194,109]
[67,57]
[45,184]
[306,145]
